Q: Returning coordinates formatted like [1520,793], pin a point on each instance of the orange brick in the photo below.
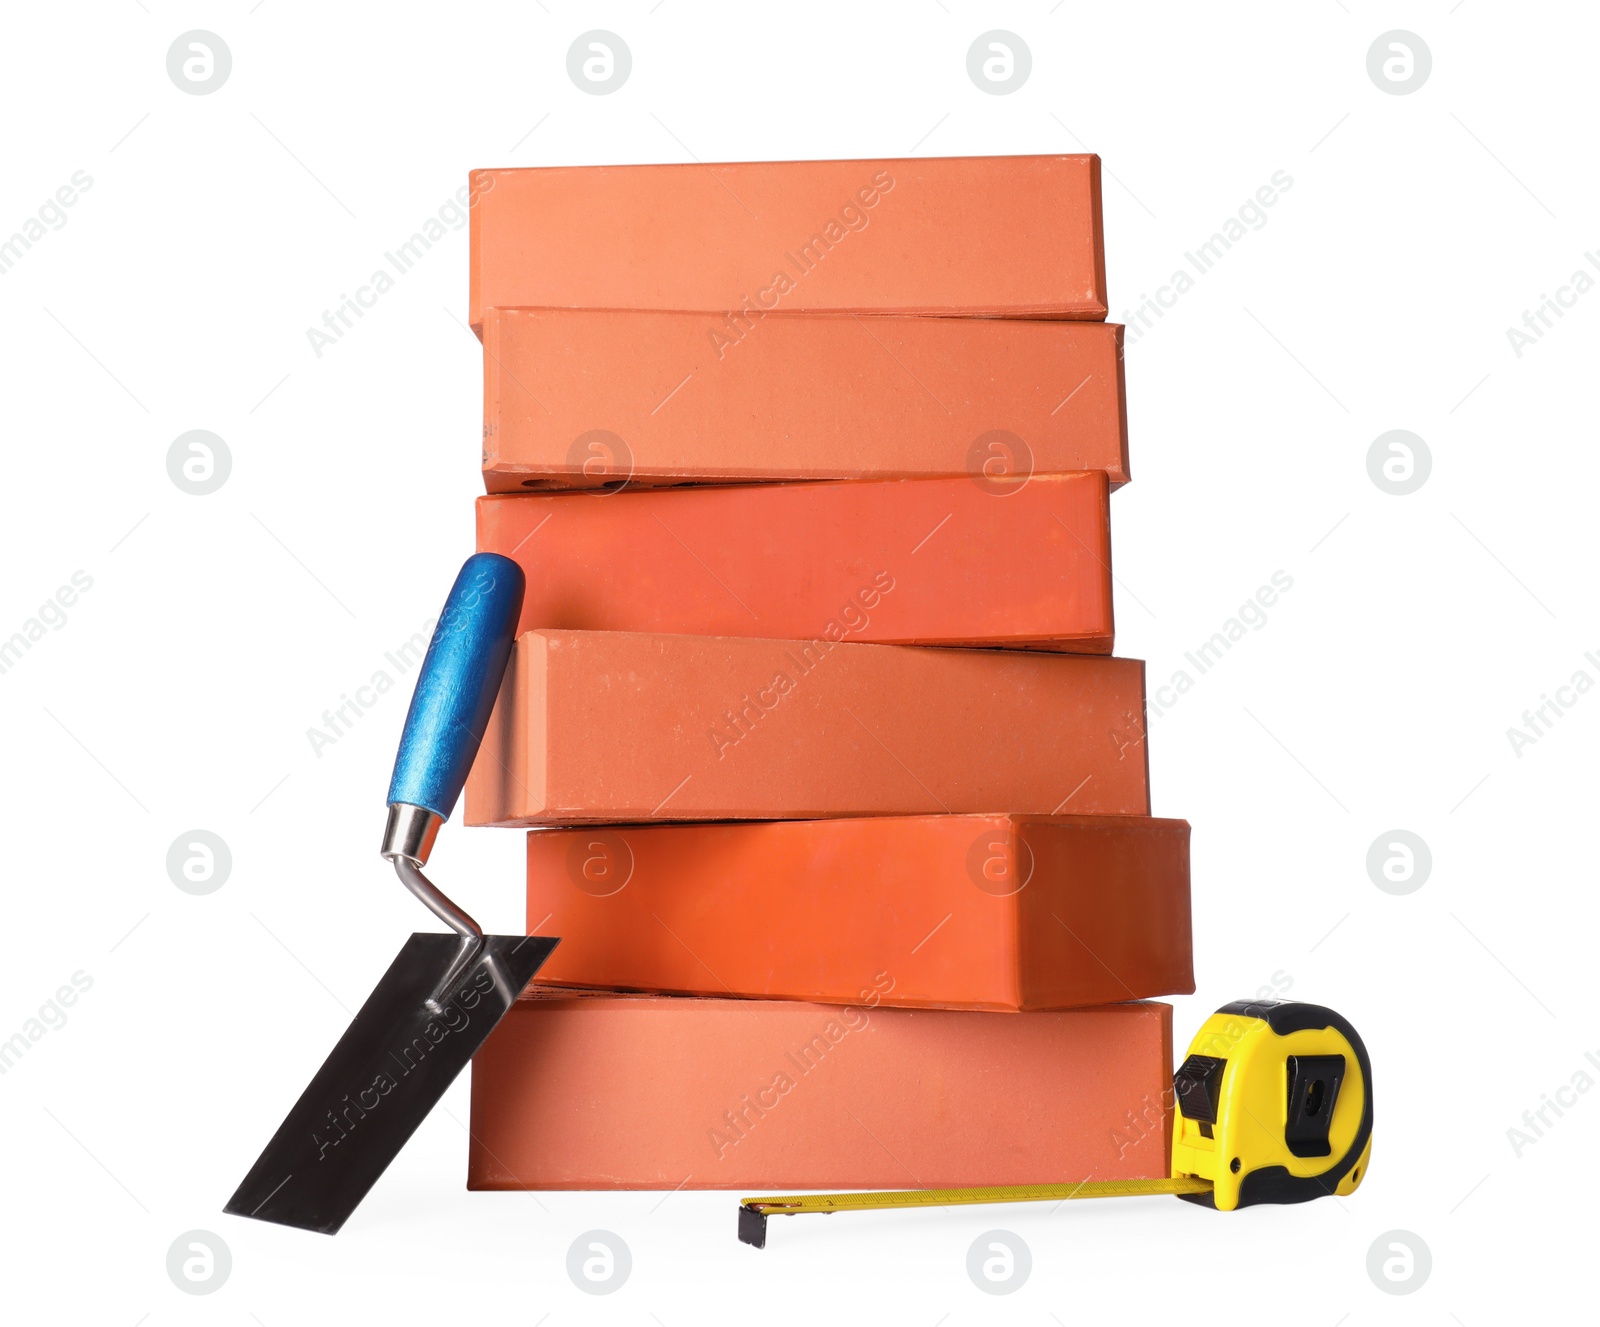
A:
[926,562]
[621,726]
[575,399]
[995,236]
[958,912]
[652,1092]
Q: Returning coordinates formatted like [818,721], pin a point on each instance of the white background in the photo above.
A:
[218,629]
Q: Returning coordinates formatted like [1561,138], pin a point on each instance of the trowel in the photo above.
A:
[443,994]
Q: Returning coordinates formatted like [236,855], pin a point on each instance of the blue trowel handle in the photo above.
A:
[457,686]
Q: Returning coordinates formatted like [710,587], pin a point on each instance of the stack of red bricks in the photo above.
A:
[840,804]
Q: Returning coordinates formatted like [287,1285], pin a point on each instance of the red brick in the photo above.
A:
[959,912]
[925,562]
[597,726]
[652,1092]
[996,236]
[575,399]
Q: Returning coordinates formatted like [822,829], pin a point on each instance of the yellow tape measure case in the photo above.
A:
[1273,1105]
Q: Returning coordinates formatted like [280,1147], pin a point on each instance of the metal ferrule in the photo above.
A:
[410,832]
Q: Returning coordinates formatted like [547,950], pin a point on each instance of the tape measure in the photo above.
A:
[1273,1104]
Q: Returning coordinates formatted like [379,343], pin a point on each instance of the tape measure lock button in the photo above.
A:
[1197,1086]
